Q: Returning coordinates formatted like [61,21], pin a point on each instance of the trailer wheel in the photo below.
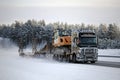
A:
[54,56]
[57,57]
[60,58]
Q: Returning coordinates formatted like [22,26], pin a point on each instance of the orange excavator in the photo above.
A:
[61,44]
[61,38]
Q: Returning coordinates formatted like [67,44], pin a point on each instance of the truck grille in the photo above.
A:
[89,52]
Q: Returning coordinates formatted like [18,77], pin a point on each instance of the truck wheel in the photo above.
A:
[54,57]
[68,58]
[74,58]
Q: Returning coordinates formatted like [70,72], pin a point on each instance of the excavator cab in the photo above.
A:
[61,38]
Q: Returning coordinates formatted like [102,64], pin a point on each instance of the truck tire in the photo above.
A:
[74,58]
[68,58]
[61,58]
[54,56]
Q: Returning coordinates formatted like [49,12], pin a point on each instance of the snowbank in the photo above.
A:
[111,52]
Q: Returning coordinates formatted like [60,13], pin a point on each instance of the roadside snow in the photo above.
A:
[109,59]
[111,52]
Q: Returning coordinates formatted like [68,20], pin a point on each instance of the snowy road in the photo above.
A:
[13,67]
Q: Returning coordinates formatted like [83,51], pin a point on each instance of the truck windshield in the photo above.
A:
[88,40]
[63,33]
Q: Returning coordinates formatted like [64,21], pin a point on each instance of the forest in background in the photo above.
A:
[108,35]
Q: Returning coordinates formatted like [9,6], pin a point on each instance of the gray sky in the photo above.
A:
[71,11]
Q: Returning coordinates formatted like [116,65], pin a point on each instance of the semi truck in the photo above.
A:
[73,46]
[79,46]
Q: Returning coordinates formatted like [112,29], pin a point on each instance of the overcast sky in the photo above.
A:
[71,11]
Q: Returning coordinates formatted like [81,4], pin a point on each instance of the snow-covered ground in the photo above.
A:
[110,59]
[111,52]
[14,67]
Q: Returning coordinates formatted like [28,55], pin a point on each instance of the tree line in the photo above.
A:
[108,35]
